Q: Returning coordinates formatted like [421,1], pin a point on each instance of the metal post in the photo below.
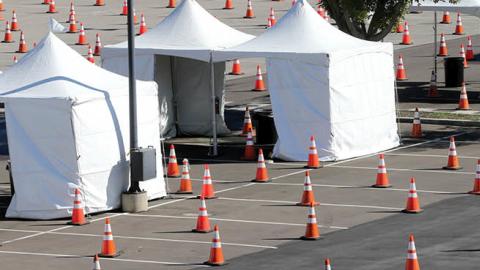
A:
[132,90]
[214,113]
[435,48]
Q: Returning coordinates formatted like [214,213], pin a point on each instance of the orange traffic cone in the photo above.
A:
[259,84]
[262,173]
[236,68]
[476,182]
[72,25]
[413,205]
[1,17]
[22,47]
[228,4]
[82,38]
[249,14]
[272,19]
[143,25]
[401,72]
[269,23]
[72,11]
[14,26]
[90,55]
[382,177]
[51,7]
[99,3]
[135,19]
[249,152]
[185,182]
[462,54]
[247,122]
[417,126]
[399,27]
[8,38]
[172,170]
[433,90]
[406,39]
[446,18]
[96,263]
[459,26]
[171,4]
[98,46]
[108,245]
[412,260]
[78,215]
[453,163]
[203,224]
[308,197]
[2,7]
[216,253]
[46,2]
[463,102]
[470,55]
[327,264]
[207,187]
[321,11]
[313,161]
[443,51]
[124,8]
[311,232]
[15,59]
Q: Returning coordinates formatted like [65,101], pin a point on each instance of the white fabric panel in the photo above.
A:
[119,65]
[299,95]
[192,96]
[163,77]
[464,6]
[43,157]
[362,103]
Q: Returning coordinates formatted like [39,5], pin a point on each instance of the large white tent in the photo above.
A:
[176,54]
[471,7]
[325,83]
[68,127]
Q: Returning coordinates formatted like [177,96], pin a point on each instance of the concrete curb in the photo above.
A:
[450,122]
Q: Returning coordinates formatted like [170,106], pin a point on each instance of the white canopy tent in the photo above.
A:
[325,83]
[68,127]
[176,54]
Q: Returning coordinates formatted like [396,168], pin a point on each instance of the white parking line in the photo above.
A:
[89,258]
[145,238]
[403,170]
[322,203]
[238,220]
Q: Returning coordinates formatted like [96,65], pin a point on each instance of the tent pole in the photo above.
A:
[435,45]
[214,151]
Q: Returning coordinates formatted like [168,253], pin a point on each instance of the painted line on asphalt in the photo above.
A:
[321,204]
[147,239]
[404,170]
[238,220]
[89,258]
[427,155]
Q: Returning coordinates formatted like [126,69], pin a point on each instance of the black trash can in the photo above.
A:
[453,71]
[265,127]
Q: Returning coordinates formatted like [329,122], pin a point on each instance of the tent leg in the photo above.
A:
[435,45]
[214,151]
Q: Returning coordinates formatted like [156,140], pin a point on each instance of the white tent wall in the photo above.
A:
[362,102]
[300,106]
[47,156]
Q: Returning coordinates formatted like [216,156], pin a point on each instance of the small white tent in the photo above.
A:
[325,83]
[68,127]
[471,7]
[176,54]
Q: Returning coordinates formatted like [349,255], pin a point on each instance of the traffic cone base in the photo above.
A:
[303,237]
[382,186]
[78,224]
[99,3]
[452,168]
[412,211]
[207,198]
[228,4]
[183,192]
[474,192]
[109,255]
[307,204]
[215,264]
[202,231]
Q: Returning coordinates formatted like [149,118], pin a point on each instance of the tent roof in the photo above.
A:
[464,6]
[189,31]
[54,70]
[300,31]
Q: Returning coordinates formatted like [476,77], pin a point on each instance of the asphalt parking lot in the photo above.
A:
[259,218]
